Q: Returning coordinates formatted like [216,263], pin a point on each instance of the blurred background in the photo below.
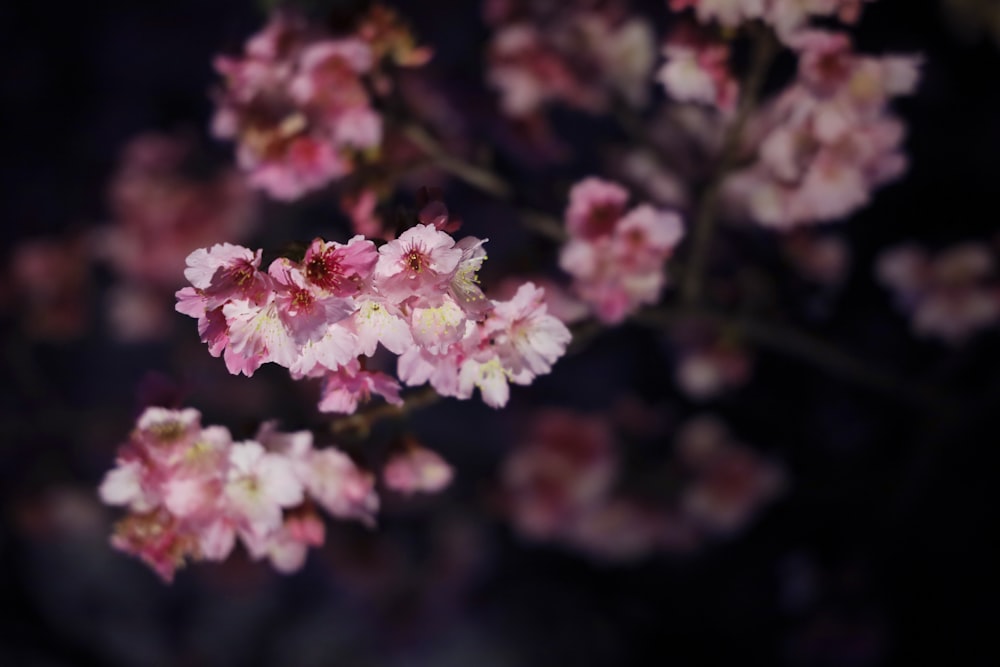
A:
[847,523]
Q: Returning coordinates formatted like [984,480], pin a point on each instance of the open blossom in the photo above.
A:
[298,103]
[575,55]
[949,296]
[564,484]
[697,70]
[616,257]
[786,16]
[565,466]
[192,493]
[707,364]
[828,140]
[160,213]
[417,296]
[416,469]
[730,482]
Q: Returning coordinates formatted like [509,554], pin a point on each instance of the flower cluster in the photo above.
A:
[574,53]
[950,296]
[298,103]
[191,492]
[562,484]
[160,214]
[786,16]
[417,296]
[616,256]
[826,142]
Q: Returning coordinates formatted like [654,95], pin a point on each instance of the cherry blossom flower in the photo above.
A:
[731,483]
[192,493]
[416,469]
[951,295]
[828,140]
[160,213]
[298,103]
[572,54]
[616,258]
[697,70]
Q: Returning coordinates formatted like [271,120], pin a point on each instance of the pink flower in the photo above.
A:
[594,207]
[565,466]
[299,106]
[258,485]
[339,486]
[950,296]
[729,13]
[697,70]
[225,271]
[581,57]
[340,269]
[526,338]
[344,388]
[731,482]
[417,469]
[305,311]
[258,334]
[617,265]
[160,212]
[827,141]
[420,262]
[157,539]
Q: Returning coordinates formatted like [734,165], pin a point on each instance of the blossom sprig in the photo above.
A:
[192,492]
[300,104]
[616,255]
[417,296]
[829,139]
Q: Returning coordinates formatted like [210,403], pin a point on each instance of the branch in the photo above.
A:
[765,49]
[809,349]
[362,422]
[474,175]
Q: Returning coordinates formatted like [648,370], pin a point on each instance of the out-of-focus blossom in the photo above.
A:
[564,467]
[575,54]
[417,296]
[708,364]
[564,484]
[616,257]
[416,469]
[785,16]
[161,213]
[951,295]
[697,69]
[730,482]
[828,140]
[191,492]
[298,103]
[825,260]
[49,281]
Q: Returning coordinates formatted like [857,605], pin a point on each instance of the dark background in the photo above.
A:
[888,525]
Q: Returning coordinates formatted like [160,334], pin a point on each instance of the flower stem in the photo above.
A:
[361,422]
[765,48]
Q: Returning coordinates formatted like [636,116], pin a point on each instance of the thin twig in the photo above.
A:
[362,422]
[706,216]
[807,348]
[474,175]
